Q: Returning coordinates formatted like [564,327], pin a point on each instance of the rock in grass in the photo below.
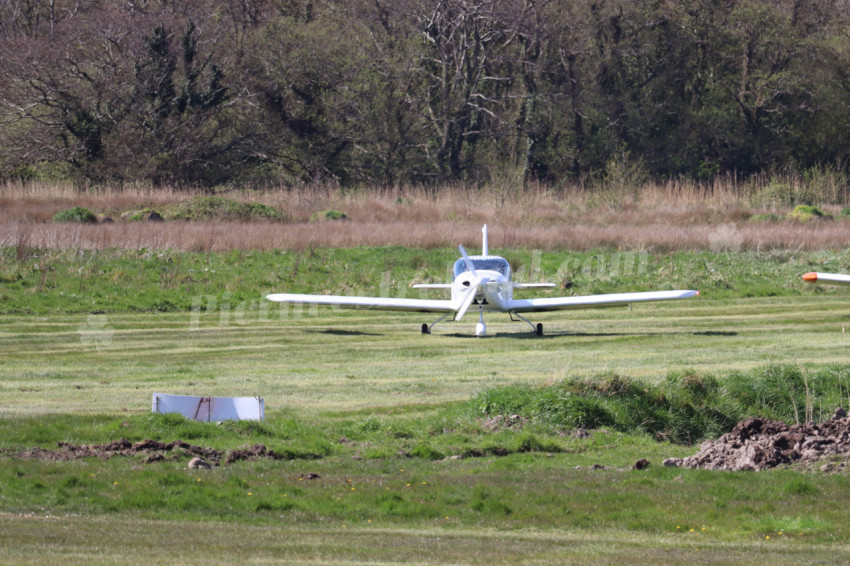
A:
[199,464]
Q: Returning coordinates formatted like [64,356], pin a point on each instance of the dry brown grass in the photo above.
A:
[212,236]
[668,216]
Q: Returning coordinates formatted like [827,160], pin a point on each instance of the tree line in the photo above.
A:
[388,92]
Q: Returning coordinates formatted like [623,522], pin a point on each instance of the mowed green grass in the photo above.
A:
[375,378]
[346,360]
[107,540]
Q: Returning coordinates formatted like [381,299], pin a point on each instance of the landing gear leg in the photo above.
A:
[538,330]
[426,329]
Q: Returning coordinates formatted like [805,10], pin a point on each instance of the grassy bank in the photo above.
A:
[38,281]
[442,468]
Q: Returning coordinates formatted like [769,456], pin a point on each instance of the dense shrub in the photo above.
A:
[75,214]
[685,407]
[767,217]
[804,212]
[221,208]
[328,215]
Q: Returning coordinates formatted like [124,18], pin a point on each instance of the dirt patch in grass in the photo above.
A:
[754,444]
[150,451]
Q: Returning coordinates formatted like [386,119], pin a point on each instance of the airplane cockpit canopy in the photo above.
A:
[484,264]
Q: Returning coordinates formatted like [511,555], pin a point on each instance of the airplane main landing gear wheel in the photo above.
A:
[426,328]
[539,330]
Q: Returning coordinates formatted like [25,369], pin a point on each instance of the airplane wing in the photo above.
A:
[829,278]
[432,286]
[381,303]
[589,301]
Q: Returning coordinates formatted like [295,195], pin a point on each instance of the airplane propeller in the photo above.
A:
[474,285]
[469,265]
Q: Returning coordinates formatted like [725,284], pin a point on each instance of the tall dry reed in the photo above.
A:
[221,236]
[660,216]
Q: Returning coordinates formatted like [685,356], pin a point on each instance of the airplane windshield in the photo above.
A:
[490,264]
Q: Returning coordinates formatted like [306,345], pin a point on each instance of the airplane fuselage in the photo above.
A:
[493,295]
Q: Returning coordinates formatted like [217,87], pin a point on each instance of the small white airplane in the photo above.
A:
[485,281]
[828,278]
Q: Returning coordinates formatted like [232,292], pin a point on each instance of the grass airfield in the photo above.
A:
[344,360]
[373,379]
[123,541]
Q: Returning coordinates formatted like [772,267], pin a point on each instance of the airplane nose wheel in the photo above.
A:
[480,328]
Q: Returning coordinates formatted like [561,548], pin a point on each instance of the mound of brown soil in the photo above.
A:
[757,444]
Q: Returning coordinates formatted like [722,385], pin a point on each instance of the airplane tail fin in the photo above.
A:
[484,250]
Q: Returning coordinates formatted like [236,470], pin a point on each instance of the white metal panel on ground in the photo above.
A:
[210,408]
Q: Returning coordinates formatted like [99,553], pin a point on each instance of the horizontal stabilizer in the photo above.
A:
[533,285]
[380,303]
